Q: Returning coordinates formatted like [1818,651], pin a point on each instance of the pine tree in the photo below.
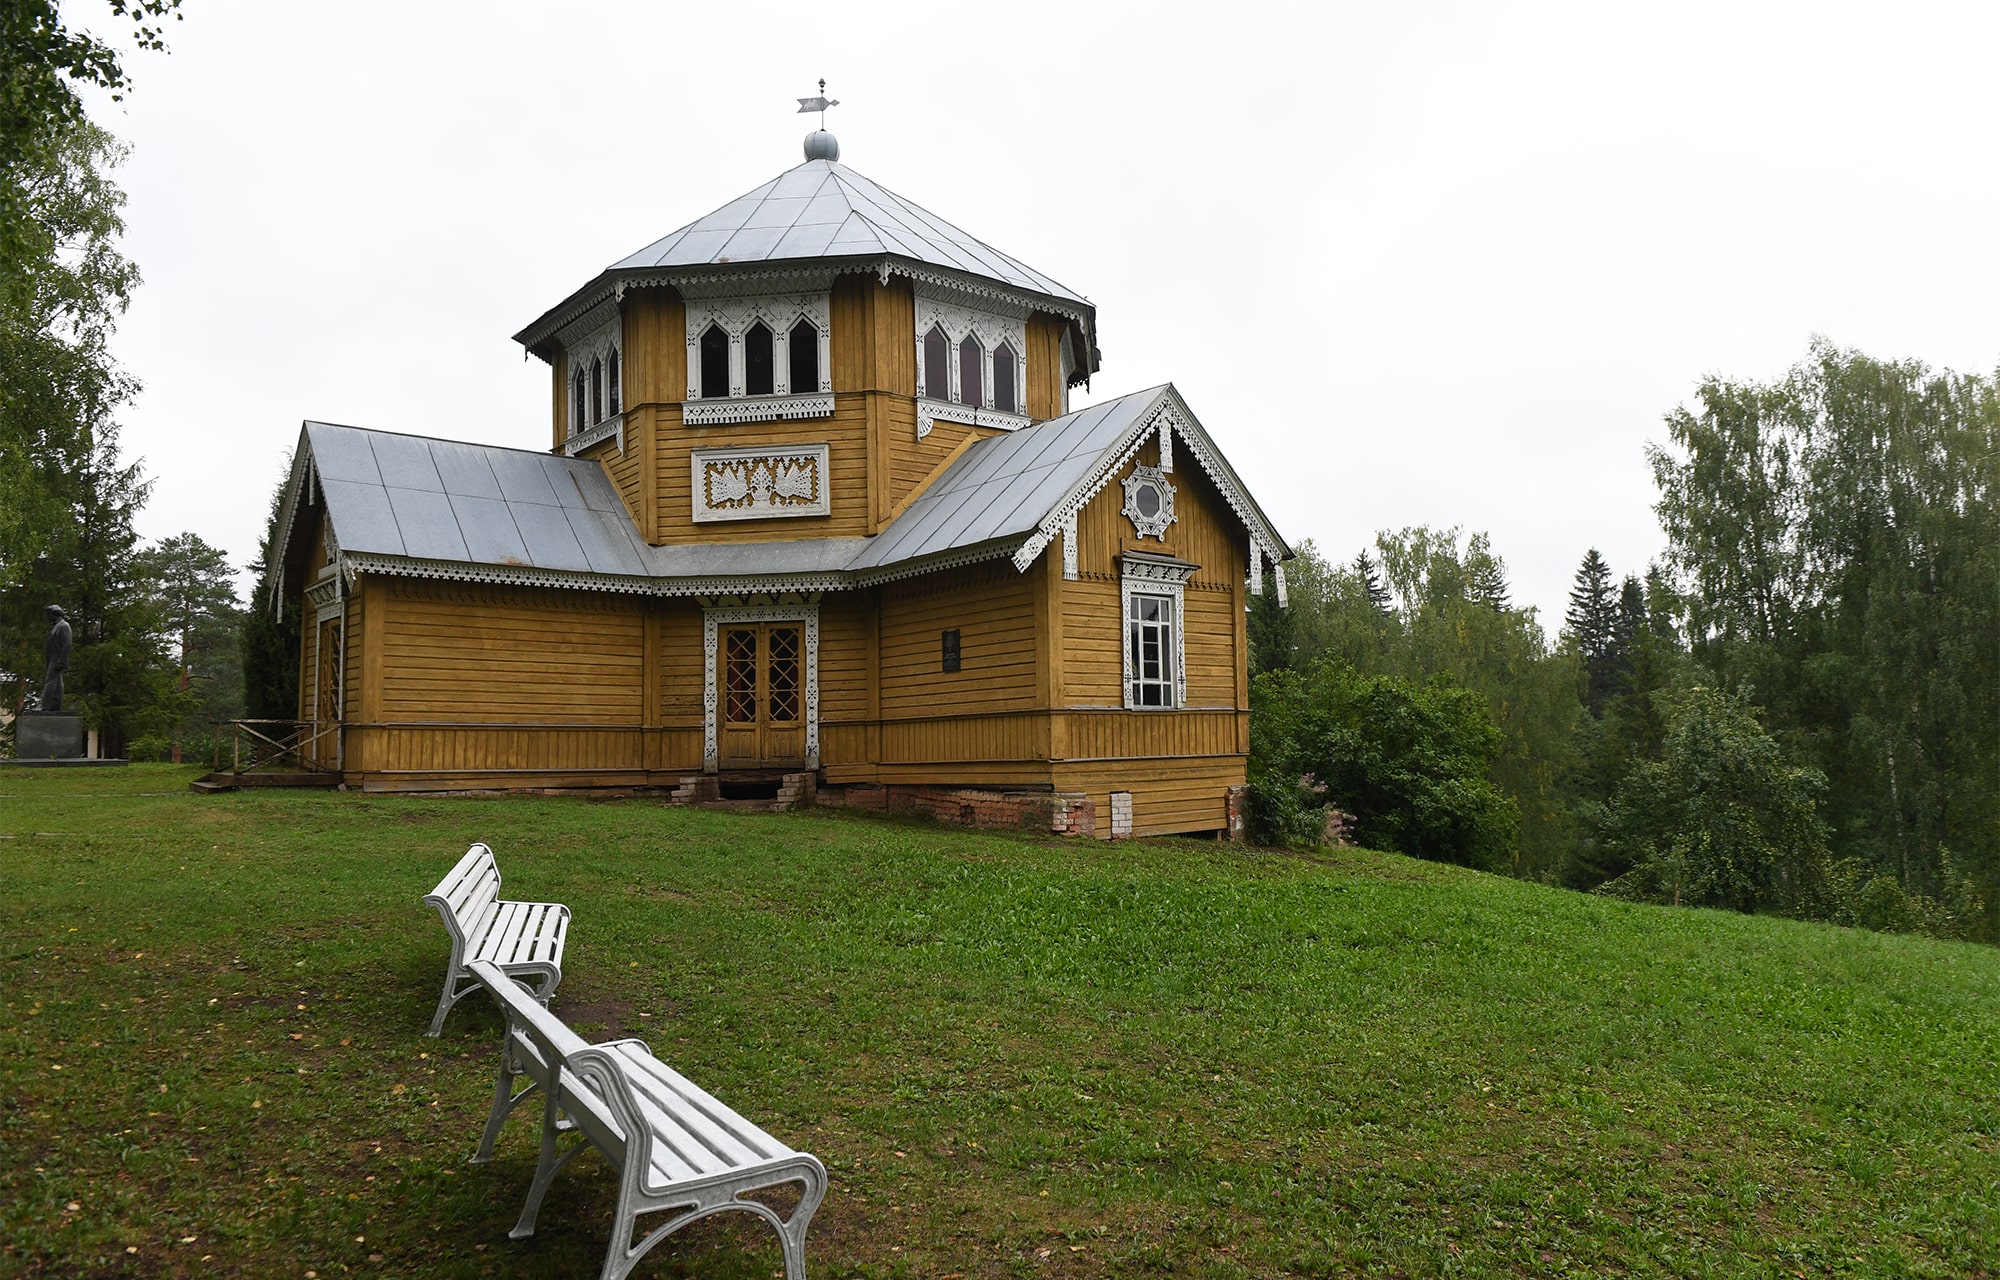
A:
[1592,623]
[1371,582]
[1626,628]
[271,630]
[1487,582]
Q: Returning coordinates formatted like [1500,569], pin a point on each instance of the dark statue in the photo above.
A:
[57,653]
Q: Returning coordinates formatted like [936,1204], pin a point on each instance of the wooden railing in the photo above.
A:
[279,744]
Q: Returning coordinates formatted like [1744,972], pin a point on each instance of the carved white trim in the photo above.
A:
[1144,576]
[1167,426]
[1069,548]
[1278,572]
[742,284]
[1256,566]
[599,334]
[324,597]
[760,482]
[982,291]
[1118,455]
[353,565]
[932,412]
[1154,525]
[808,613]
[997,321]
[605,430]
[735,315]
[785,408]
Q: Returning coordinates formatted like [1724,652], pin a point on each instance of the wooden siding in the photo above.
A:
[992,607]
[846,437]
[1205,532]
[1168,796]
[559,419]
[1042,388]
[481,653]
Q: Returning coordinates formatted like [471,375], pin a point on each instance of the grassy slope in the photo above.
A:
[1015,1057]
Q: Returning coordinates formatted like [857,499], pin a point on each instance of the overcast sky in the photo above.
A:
[1410,264]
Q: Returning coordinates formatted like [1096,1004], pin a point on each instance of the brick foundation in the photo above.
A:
[1238,829]
[1063,813]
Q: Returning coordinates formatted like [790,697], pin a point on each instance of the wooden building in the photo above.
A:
[815,504]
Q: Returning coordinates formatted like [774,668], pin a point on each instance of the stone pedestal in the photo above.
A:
[56,737]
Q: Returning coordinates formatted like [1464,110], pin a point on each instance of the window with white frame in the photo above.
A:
[775,346]
[596,392]
[968,356]
[1149,634]
[1152,596]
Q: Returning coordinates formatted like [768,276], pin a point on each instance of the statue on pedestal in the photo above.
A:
[56,651]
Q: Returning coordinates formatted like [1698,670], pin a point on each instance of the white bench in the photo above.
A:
[677,1149]
[523,938]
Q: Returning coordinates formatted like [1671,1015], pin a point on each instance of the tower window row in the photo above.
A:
[760,361]
[969,388]
[595,392]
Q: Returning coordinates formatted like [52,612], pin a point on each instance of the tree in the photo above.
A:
[41,63]
[1835,544]
[1592,626]
[66,497]
[270,634]
[194,593]
[1721,819]
[1408,762]
[1371,582]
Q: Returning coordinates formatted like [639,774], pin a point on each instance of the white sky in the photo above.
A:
[1410,264]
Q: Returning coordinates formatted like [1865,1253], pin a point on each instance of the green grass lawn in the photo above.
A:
[1016,1057]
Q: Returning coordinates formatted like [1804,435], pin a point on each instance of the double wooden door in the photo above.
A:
[761,704]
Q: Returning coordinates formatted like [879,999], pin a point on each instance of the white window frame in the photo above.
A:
[598,345]
[947,311]
[735,316]
[1162,577]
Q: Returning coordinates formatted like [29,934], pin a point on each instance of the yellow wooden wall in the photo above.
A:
[1042,393]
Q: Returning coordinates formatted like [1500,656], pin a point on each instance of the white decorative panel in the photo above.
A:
[760,483]
[1149,502]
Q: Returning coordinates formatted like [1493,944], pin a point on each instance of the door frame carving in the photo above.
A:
[712,619]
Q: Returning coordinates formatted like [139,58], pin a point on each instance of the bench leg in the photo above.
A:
[452,995]
[792,1231]
[504,1101]
[547,1165]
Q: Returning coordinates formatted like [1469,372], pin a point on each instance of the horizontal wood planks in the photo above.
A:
[472,652]
[992,608]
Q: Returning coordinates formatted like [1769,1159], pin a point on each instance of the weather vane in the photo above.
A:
[819,104]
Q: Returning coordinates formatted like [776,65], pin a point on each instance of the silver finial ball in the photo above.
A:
[821,145]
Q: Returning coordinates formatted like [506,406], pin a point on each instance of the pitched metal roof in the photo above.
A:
[1004,487]
[441,508]
[823,209]
[441,500]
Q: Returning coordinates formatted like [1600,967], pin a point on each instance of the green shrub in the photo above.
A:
[1409,762]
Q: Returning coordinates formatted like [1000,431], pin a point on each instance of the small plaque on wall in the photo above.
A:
[951,659]
[760,482]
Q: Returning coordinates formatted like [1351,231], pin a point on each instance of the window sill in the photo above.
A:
[709,413]
[930,412]
[605,430]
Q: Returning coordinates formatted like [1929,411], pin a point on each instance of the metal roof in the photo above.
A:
[410,504]
[823,209]
[1005,486]
[440,500]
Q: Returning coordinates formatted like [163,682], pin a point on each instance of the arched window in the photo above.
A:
[611,382]
[1003,378]
[576,408]
[714,363]
[937,371]
[759,374]
[971,387]
[804,359]
[596,392]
